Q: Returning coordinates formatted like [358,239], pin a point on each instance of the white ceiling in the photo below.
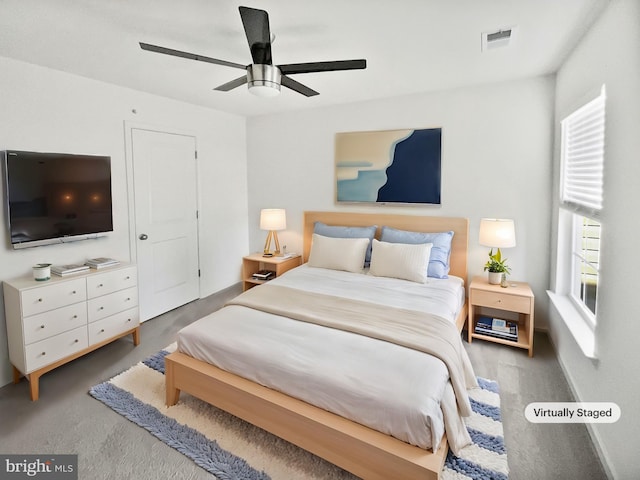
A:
[410,45]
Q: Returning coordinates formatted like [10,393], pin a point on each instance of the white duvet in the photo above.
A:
[398,391]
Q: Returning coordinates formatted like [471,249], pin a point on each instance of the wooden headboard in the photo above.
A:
[414,223]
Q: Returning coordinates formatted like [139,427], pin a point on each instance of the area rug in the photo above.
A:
[230,448]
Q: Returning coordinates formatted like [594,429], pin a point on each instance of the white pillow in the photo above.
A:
[338,253]
[400,260]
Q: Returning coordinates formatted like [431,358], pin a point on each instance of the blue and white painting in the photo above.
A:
[393,166]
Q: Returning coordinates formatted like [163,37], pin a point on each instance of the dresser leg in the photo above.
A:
[34,382]
[34,386]
[17,374]
[136,337]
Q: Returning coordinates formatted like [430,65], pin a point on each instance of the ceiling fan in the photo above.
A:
[262,77]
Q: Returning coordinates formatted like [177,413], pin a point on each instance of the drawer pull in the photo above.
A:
[76,341]
[127,299]
[75,316]
[100,285]
[43,353]
[40,300]
[127,278]
[41,326]
[128,320]
[73,293]
[102,330]
[100,308]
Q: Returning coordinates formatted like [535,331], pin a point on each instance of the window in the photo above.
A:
[586,255]
[583,157]
[579,229]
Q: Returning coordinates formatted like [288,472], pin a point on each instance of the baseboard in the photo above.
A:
[235,286]
[595,439]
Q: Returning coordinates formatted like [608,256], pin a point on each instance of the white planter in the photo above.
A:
[495,278]
[42,272]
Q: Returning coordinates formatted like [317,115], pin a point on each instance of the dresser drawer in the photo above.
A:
[50,350]
[111,281]
[52,296]
[111,326]
[45,325]
[501,301]
[107,305]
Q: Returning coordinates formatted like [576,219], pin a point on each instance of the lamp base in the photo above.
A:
[267,245]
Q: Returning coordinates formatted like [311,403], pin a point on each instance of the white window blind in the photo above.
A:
[583,156]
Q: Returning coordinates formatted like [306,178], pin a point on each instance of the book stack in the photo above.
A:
[101,262]
[264,275]
[495,327]
[62,270]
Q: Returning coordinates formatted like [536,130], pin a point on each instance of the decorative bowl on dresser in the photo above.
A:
[54,322]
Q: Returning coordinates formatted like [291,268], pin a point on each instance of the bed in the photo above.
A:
[370,452]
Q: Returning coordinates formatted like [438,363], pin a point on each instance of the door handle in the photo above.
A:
[143,236]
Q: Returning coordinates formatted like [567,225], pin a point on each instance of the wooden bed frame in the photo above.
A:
[358,449]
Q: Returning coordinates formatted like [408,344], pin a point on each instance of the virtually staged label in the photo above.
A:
[572,412]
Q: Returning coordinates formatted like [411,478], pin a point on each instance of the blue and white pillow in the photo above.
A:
[440,252]
[334,231]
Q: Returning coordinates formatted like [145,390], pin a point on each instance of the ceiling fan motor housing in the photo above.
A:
[264,80]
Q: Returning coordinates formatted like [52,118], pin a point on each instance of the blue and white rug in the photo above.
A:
[208,435]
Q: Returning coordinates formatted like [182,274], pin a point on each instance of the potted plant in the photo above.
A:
[497,267]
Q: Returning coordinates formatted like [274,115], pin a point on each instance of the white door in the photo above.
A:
[166,224]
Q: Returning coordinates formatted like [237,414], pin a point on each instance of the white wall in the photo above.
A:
[47,110]
[610,54]
[496,162]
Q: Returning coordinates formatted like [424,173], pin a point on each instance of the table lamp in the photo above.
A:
[272,219]
[497,233]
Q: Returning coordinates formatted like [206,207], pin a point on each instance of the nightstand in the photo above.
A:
[514,303]
[255,262]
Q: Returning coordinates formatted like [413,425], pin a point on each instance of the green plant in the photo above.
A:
[496,263]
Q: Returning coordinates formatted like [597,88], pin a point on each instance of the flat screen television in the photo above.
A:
[56,197]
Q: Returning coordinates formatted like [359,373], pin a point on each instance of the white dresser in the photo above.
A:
[51,323]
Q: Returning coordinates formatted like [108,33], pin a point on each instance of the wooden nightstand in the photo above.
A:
[514,303]
[255,262]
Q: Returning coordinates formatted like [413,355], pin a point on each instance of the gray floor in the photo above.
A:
[536,451]
[67,420]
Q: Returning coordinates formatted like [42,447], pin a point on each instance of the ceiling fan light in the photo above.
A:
[263,80]
[266,90]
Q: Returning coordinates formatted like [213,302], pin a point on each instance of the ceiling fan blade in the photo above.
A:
[232,84]
[190,56]
[256,27]
[312,67]
[297,86]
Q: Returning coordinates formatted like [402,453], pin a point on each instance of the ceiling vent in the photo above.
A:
[497,39]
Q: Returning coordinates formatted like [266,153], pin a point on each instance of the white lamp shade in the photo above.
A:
[497,233]
[273,219]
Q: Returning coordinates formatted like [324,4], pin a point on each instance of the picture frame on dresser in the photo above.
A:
[55,322]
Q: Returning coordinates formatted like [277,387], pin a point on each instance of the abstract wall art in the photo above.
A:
[392,166]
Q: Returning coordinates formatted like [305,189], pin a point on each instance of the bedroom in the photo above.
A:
[496,127]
